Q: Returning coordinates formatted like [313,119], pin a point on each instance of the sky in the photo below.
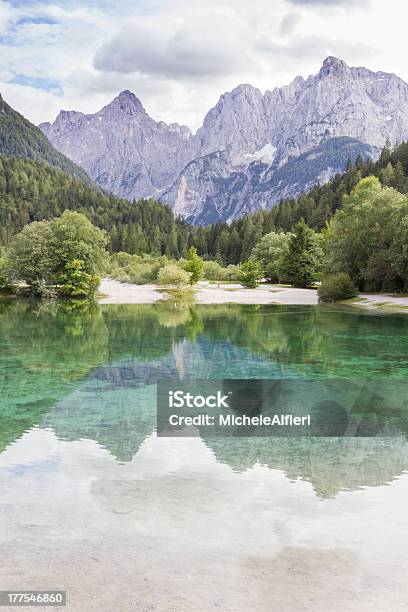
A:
[179,56]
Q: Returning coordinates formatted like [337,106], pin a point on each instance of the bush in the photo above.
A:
[120,275]
[194,265]
[336,287]
[231,272]
[122,259]
[172,275]
[141,274]
[137,269]
[250,274]
[212,270]
[75,282]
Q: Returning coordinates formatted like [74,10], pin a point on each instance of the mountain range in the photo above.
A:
[253,148]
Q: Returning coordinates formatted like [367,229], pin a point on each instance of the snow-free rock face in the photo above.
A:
[121,147]
[237,122]
[339,101]
[247,143]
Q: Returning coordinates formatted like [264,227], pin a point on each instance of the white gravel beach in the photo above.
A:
[114,292]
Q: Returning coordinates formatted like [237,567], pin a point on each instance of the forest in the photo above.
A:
[57,235]
[33,191]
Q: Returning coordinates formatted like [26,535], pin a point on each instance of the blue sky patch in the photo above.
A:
[50,85]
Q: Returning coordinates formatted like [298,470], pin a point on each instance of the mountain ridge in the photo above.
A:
[129,153]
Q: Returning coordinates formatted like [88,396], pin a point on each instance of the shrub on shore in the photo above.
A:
[250,274]
[173,276]
[136,269]
[194,265]
[213,271]
[336,287]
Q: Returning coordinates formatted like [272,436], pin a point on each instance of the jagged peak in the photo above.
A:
[332,65]
[244,88]
[65,116]
[127,101]
[126,94]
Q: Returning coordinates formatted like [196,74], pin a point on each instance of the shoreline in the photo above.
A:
[211,292]
[206,292]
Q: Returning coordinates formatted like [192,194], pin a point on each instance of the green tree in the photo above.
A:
[77,283]
[367,239]
[194,265]
[29,258]
[250,274]
[304,257]
[74,237]
[4,283]
[42,254]
[387,174]
[271,252]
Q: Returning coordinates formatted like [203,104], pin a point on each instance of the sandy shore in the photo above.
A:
[114,292]
[211,293]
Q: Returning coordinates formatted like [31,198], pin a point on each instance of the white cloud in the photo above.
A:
[289,23]
[177,47]
[178,56]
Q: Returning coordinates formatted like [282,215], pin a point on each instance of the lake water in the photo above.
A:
[94,503]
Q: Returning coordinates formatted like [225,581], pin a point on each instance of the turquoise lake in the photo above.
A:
[94,503]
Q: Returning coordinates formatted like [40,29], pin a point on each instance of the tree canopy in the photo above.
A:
[368,236]
[65,253]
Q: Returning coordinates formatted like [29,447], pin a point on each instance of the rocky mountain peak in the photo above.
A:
[245,89]
[226,125]
[68,118]
[126,102]
[333,65]
[129,153]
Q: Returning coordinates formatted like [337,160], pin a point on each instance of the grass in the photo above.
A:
[219,282]
[355,300]
[378,305]
[389,306]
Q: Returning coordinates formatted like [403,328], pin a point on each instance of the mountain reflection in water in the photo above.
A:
[91,373]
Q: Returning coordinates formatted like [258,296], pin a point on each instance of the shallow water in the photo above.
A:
[92,502]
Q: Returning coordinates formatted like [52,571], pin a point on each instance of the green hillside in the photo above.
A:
[21,138]
[32,190]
